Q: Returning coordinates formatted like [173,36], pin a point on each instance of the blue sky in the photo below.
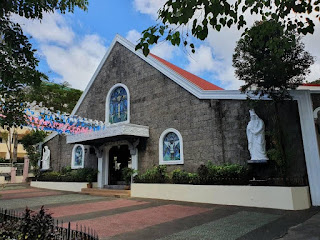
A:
[71,46]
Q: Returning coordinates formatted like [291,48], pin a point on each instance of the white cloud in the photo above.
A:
[312,45]
[133,36]
[76,64]
[149,7]
[73,57]
[204,61]
[164,50]
[53,28]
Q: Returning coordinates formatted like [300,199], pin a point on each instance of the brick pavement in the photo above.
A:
[147,219]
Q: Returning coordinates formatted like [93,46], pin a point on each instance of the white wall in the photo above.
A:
[63,186]
[288,198]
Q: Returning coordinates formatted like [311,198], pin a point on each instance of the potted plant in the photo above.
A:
[127,176]
[90,179]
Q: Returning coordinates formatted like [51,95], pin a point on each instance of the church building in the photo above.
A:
[157,113]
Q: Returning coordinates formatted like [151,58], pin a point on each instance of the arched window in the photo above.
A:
[118,102]
[171,147]
[77,156]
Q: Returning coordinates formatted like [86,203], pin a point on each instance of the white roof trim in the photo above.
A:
[111,131]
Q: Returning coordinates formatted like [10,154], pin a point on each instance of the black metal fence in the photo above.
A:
[61,231]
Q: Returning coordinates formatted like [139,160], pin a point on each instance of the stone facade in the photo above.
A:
[61,153]
[212,130]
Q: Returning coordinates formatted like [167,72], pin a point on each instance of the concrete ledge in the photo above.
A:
[63,186]
[288,198]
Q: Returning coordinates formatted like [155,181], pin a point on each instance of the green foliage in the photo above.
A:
[52,95]
[77,175]
[29,142]
[127,174]
[175,18]
[316,81]
[157,174]
[206,174]
[32,138]
[224,174]
[271,60]
[182,177]
[18,64]
[33,226]
[3,160]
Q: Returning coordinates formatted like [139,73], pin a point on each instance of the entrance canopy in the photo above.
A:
[115,131]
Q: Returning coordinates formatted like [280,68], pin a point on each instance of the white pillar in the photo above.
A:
[106,166]
[310,144]
[134,159]
[100,173]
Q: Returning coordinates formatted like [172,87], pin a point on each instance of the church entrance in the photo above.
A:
[119,158]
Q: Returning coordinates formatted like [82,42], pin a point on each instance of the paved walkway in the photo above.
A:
[132,218]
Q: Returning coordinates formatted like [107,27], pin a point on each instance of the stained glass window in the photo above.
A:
[118,106]
[78,156]
[171,147]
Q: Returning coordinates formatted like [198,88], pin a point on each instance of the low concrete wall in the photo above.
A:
[63,186]
[5,169]
[288,198]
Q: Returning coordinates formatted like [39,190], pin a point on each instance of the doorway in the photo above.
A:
[119,158]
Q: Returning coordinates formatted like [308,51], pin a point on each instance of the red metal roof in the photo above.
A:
[311,84]
[201,83]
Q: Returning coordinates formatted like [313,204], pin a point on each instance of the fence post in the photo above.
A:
[13,174]
[25,168]
[68,232]
[5,215]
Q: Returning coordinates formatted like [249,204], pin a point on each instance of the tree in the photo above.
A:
[58,96]
[30,142]
[176,16]
[274,68]
[316,81]
[17,60]
[272,61]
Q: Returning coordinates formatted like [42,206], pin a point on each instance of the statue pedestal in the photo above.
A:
[260,172]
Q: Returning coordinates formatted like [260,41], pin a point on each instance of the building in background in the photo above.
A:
[5,140]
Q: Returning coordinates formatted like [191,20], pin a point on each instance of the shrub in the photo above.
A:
[181,176]
[224,174]
[234,174]
[157,174]
[33,226]
[68,175]
[127,174]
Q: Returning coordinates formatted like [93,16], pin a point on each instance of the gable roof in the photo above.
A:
[199,82]
[190,82]
[197,86]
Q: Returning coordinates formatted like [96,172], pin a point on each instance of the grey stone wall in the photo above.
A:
[61,154]
[212,130]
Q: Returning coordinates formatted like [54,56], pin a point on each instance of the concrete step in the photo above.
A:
[116,187]
[106,192]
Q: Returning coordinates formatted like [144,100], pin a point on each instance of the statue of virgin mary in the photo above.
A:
[256,138]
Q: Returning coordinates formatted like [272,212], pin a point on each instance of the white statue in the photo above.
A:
[256,138]
[46,158]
